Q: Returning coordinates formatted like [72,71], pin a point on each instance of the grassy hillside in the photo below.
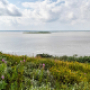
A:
[36,73]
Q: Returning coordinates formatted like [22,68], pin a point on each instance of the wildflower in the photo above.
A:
[24,60]
[16,62]
[3,60]
[21,61]
[43,66]
[2,76]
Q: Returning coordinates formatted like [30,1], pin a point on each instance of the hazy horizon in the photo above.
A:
[44,30]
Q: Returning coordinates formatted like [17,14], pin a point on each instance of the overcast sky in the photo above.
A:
[44,14]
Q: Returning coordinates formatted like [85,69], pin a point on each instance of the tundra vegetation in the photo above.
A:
[44,72]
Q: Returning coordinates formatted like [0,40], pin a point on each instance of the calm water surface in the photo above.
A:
[63,43]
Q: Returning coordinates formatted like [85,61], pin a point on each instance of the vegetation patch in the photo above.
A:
[47,73]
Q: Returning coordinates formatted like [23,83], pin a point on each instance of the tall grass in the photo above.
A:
[37,73]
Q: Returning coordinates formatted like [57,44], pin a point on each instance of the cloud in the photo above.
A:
[8,9]
[62,10]
[48,14]
[46,10]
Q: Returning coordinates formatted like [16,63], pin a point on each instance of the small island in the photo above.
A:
[37,32]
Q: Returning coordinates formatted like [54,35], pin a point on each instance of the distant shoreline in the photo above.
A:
[50,31]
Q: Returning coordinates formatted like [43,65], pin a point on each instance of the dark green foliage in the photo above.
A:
[44,56]
[81,59]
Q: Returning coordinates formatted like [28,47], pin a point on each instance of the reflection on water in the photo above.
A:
[63,43]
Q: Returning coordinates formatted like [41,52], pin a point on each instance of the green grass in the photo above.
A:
[29,73]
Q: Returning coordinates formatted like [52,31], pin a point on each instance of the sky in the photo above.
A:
[44,14]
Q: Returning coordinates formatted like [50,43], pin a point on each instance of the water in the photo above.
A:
[63,43]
